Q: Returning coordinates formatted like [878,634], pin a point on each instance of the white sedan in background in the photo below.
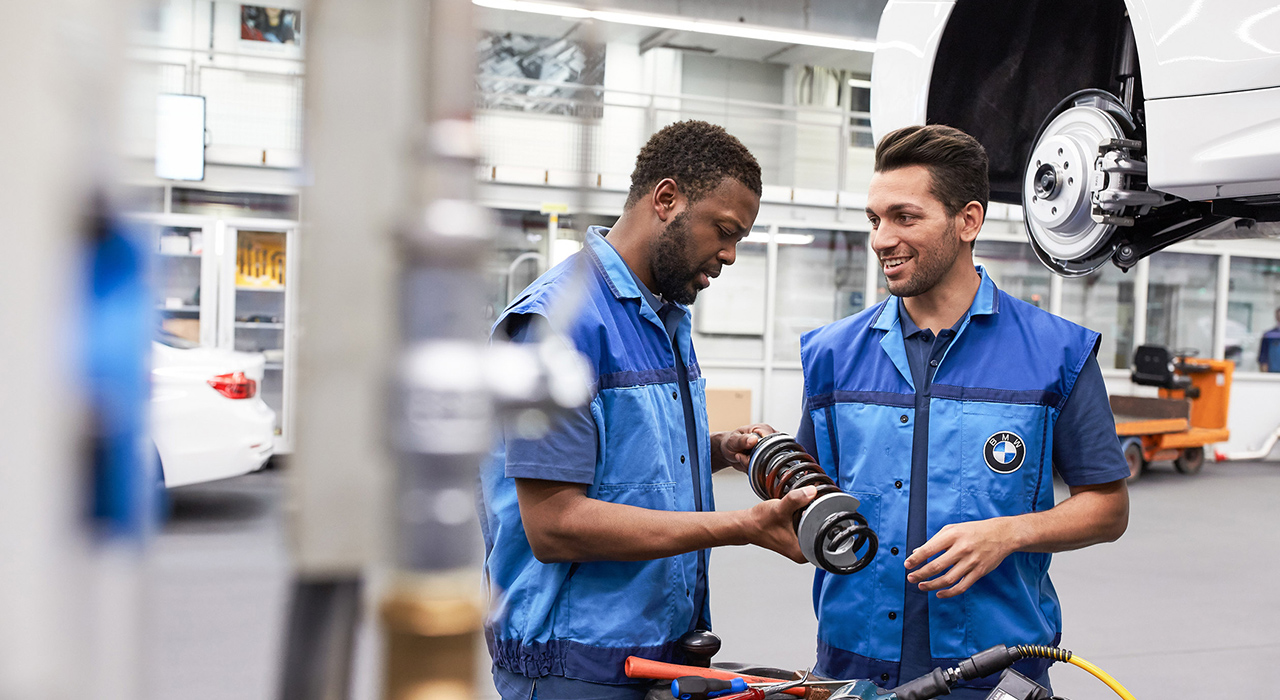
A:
[206,417]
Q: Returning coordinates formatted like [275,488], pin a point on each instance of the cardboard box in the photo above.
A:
[186,328]
[728,408]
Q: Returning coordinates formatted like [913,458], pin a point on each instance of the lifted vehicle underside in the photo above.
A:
[1056,99]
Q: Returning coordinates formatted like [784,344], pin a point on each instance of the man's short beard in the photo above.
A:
[672,271]
[930,270]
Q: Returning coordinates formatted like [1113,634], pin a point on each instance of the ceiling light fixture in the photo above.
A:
[684,24]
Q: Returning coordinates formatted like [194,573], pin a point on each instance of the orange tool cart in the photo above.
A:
[1190,412]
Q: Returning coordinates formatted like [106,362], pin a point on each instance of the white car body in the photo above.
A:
[200,434]
[1208,106]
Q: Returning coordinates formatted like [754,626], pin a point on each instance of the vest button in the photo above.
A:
[682,459]
[933,363]
[674,395]
[893,616]
[893,550]
[884,676]
[897,484]
[903,418]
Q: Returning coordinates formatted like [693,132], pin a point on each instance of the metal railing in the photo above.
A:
[526,123]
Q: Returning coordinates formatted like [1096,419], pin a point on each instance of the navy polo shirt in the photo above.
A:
[1086,451]
[924,354]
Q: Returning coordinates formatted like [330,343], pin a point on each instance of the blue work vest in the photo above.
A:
[582,620]
[995,397]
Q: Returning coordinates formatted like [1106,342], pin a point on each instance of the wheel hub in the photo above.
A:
[1046,181]
[1061,179]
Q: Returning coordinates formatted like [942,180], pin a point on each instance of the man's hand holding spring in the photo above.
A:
[733,448]
[770,524]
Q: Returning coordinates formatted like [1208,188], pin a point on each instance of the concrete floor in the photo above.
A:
[1184,599]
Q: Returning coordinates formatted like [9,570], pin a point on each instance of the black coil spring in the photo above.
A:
[1039,651]
[785,466]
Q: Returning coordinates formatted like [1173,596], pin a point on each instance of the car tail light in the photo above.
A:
[234,385]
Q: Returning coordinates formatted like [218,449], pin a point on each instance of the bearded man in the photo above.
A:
[945,410]
[595,533]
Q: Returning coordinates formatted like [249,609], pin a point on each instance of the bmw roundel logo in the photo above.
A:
[1004,452]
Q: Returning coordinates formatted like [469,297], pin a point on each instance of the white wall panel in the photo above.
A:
[786,396]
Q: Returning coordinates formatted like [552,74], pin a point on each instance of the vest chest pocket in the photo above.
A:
[643,438]
[1002,457]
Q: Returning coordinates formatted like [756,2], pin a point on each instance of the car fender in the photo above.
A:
[906,45]
[1197,47]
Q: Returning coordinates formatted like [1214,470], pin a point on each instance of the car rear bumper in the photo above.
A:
[238,439]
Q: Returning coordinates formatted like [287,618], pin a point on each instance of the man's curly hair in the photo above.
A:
[698,156]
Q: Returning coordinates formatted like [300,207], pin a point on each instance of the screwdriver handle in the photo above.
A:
[636,667]
[699,688]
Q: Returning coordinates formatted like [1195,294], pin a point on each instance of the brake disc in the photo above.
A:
[1062,178]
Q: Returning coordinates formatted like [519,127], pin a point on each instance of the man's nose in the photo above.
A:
[728,254]
[883,239]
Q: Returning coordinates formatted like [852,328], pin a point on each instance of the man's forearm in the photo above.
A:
[961,553]
[1090,516]
[563,524]
[593,530]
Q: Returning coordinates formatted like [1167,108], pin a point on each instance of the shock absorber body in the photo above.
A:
[833,535]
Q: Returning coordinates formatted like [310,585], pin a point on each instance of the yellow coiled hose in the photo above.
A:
[1102,676]
[1058,654]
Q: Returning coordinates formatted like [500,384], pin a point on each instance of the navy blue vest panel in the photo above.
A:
[995,396]
[582,620]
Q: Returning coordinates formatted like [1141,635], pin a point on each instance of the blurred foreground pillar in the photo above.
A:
[63,632]
[360,105]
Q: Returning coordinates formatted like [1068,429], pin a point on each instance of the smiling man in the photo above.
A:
[596,531]
[945,410]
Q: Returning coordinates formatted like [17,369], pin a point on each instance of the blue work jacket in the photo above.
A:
[994,399]
[581,620]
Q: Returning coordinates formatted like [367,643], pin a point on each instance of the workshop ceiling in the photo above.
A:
[854,19]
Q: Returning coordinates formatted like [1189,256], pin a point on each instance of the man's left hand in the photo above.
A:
[733,448]
[966,552]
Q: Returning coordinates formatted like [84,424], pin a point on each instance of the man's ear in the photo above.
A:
[667,201]
[970,220]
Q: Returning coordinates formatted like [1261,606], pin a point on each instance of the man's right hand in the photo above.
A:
[770,523]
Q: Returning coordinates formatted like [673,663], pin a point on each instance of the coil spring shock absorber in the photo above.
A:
[833,535]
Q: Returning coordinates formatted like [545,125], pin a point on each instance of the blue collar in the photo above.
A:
[622,280]
[985,303]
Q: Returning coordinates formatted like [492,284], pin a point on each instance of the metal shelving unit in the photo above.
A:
[198,296]
[256,290]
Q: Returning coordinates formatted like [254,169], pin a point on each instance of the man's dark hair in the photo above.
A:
[957,163]
[698,156]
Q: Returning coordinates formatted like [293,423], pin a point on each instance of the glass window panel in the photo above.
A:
[1103,301]
[728,317]
[1015,270]
[517,258]
[821,278]
[1180,302]
[260,309]
[176,272]
[1253,308]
